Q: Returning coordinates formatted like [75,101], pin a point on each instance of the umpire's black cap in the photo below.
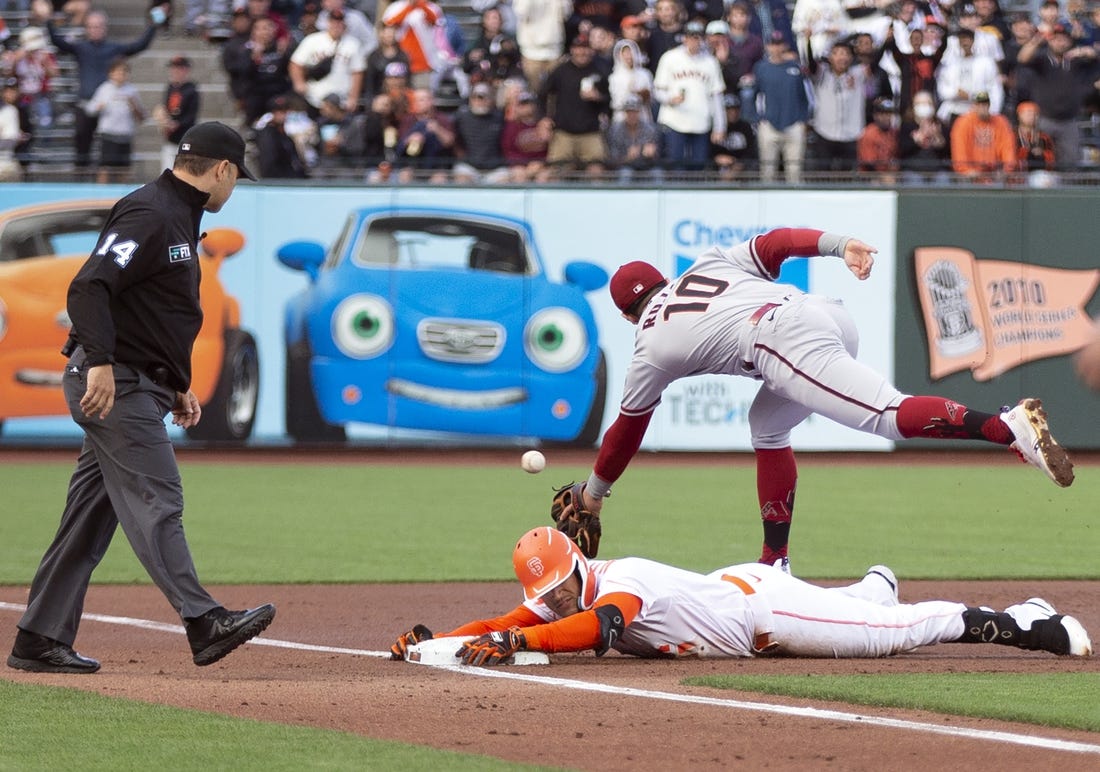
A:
[215,140]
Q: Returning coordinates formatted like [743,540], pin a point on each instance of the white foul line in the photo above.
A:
[568,683]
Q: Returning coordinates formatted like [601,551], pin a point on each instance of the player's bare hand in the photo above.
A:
[1087,363]
[187,410]
[591,503]
[859,258]
[99,394]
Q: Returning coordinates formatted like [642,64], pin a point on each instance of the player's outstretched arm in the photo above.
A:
[859,257]
[1087,362]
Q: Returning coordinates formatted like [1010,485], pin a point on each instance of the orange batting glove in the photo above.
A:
[400,649]
[492,648]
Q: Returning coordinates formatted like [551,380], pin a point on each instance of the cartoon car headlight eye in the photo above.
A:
[362,326]
[555,340]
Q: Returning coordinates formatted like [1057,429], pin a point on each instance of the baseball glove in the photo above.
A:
[405,640]
[574,520]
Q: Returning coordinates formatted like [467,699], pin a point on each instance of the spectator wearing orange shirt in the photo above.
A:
[877,148]
[415,21]
[983,145]
[1036,148]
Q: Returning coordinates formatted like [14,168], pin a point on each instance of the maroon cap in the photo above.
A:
[632,281]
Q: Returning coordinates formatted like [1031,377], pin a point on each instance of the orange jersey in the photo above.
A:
[737,611]
[415,21]
[877,149]
[667,611]
[982,146]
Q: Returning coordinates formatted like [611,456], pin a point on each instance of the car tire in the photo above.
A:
[590,432]
[304,422]
[230,413]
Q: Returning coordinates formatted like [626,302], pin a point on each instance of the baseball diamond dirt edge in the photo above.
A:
[441,651]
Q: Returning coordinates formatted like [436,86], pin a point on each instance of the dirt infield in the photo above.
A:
[544,722]
[547,720]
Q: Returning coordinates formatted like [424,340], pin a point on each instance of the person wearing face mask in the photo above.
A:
[923,148]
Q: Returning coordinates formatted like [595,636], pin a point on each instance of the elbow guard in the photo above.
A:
[611,627]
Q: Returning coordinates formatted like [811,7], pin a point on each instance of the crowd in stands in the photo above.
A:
[911,91]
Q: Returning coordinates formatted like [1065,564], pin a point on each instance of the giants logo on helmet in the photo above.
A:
[534,565]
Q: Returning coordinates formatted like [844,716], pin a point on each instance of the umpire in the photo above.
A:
[135,312]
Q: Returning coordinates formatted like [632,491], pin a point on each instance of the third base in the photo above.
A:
[441,651]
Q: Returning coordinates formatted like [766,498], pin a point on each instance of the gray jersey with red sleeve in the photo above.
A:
[697,324]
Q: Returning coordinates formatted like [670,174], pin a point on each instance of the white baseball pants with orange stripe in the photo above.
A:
[858,621]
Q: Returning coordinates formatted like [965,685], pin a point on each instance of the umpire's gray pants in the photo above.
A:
[126,475]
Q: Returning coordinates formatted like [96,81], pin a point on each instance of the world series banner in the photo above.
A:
[990,316]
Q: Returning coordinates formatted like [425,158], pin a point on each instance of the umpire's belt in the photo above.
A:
[759,313]
[158,374]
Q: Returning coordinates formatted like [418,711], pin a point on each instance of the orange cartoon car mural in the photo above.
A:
[41,249]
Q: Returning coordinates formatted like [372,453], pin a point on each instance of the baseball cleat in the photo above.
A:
[1079,643]
[783,564]
[1034,442]
[1031,610]
[1043,628]
[888,583]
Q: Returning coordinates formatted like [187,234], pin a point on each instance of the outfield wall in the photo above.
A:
[669,227]
[994,289]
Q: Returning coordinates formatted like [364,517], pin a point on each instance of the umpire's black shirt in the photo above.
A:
[136,299]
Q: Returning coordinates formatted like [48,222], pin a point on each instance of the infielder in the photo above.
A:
[649,609]
[727,316]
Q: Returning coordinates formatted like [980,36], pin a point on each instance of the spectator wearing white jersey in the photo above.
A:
[688,84]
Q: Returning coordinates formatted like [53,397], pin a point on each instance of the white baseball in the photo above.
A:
[533,462]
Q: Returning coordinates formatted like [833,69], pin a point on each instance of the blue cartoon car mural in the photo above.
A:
[441,320]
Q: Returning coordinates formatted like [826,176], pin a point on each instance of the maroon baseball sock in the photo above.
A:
[946,419]
[776,477]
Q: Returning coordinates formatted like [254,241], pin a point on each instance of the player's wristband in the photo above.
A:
[597,487]
[832,244]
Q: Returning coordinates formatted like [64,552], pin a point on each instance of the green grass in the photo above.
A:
[1067,700]
[350,522]
[49,728]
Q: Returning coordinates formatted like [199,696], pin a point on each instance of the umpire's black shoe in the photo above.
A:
[39,654]
[218,632]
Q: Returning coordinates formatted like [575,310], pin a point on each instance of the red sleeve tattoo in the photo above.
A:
[620,442]
[775,246]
